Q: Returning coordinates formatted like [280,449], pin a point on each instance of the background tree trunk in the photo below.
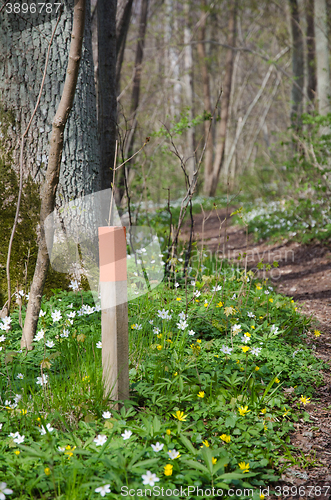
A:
[107,102]
[137,72]
[297,65]
[190,163]
[211,182]
[53,172]
[123,16]
[311,51]
[322,58]
[171,58]
[208,159]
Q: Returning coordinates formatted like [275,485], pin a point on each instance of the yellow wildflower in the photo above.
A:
[304,400]
[264,411]
[286,412]
[17,452]
[159,347]
[47,471]
[277,380]
[262,497]
[168,469]
[175,374]
[247,334]
[257,368]
[252,326]
[201,394]
[205,442]
[178,298]
[133,326]
[220,304]
[245,348]
[225,438]
[213,460]
[317,333]
[243,410]
[199,341]
[179,415]
[271,300]
[168,432]
[69,451]
[159,335]
[244,467]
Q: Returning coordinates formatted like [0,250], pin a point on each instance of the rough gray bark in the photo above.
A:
[322,58]
[212,181]
[311,51]
[123,16]
[297,65]
[53,172]
[22,59]
[107,103]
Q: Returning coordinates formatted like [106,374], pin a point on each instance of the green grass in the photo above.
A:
[193,390]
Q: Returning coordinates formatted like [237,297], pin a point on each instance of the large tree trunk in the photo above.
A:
[297,66]
[107,103]
[53,172]
[311,51]
[22,61]
[208,159]
[322,58]
[212,181]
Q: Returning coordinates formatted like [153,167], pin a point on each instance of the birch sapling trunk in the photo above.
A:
[53,172]
[212,181]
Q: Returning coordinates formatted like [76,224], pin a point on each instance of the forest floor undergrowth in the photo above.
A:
[303,273]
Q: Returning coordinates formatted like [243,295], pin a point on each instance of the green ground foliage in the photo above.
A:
[210,357]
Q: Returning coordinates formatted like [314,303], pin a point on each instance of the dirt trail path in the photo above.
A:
[304,273]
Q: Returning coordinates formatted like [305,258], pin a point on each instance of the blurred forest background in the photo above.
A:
[233,96]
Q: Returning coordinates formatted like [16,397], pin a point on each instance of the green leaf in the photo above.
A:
[196,465]
[231,420]
[144,463]
[186,442]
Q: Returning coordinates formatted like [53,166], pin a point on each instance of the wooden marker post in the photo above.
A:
[114,311]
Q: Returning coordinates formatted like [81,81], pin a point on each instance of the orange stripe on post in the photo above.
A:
[112,253]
